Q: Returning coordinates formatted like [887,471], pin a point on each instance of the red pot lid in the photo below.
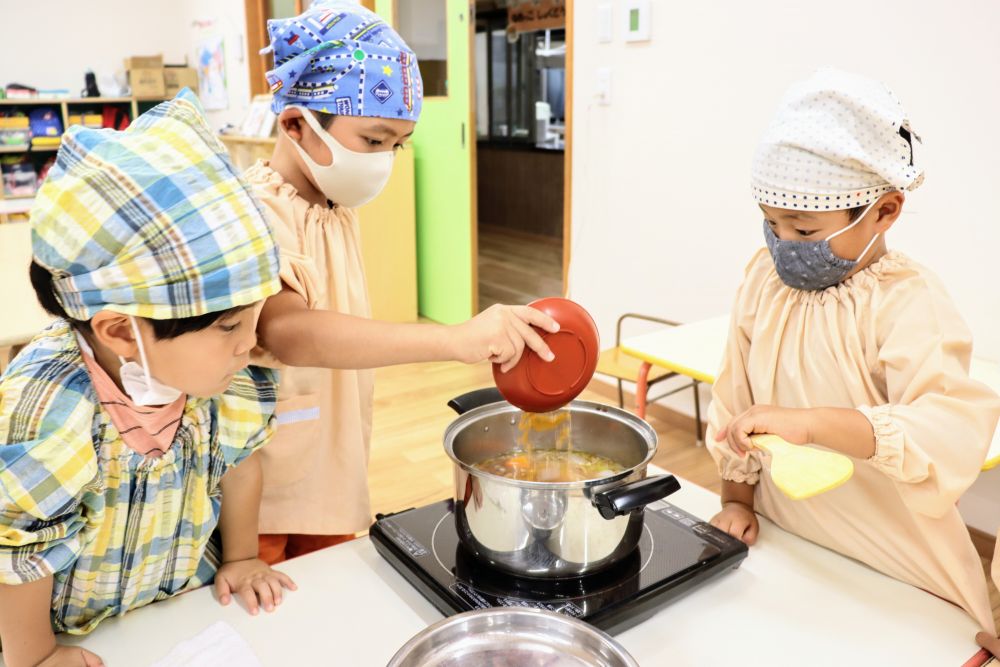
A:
[536,385]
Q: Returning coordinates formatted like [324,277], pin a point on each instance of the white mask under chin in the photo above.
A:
[351,179]
[142,387]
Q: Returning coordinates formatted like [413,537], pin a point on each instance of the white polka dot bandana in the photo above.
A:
[838,141]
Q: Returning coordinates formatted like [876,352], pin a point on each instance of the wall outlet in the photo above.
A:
[603,89]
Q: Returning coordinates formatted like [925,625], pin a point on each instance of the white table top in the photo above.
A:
[694,350]
[791,602]
[21,317]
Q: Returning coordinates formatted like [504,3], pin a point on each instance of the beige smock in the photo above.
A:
[888,342]
[316,467]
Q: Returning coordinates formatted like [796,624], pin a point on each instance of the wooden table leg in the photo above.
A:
[699,440]
[641,387]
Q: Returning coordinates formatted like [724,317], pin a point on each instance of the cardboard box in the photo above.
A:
[147,83]
[144,62]
[177,78]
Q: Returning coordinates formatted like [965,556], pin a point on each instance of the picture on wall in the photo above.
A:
[212,73]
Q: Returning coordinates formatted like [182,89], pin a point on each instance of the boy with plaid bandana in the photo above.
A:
[126,423]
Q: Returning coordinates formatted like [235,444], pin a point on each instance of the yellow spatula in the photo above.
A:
[803,472]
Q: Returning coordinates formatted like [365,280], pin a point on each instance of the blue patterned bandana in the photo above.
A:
[342,59]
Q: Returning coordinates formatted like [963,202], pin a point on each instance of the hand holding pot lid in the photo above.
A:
[537,385]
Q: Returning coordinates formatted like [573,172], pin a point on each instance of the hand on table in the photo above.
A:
[253,580]
[71,656]
[738,520]
[499,334]
[791,424]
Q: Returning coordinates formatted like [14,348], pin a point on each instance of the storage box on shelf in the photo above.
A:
[176,78]
[149,77]
[147,82]
[144,62]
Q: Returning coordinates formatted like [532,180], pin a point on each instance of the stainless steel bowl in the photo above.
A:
[512,637]
[559,529]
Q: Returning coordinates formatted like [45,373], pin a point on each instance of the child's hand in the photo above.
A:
[253,581]
[71,656]
[792,424]
[499,334]
[739,521]
[989,642]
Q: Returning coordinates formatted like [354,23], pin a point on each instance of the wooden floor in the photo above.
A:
[515,267]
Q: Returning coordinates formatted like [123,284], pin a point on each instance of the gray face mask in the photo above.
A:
[811,265]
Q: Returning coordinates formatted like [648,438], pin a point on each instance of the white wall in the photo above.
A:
[50,44]
[663,221]
[662,215]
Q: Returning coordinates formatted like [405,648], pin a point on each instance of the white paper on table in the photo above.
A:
[218,645]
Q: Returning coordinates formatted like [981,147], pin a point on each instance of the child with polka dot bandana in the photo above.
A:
[840,343]
[348,95]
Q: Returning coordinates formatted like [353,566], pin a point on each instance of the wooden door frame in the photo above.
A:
[256,40]
[473,138]
[568,151]
[256,27]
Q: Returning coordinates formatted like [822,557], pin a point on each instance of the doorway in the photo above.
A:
[492,150]
[520,108]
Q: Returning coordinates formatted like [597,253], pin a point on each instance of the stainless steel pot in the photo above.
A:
[551,530]
[512,637]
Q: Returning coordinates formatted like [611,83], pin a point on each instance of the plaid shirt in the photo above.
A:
[117,530]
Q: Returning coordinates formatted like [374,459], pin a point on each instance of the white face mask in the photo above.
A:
[351,179]
[142,387]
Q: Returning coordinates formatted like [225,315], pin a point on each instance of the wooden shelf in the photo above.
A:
[27,149]
[30,101]
[16,205]
[48,101]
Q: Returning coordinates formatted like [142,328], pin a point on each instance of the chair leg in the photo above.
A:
[621,395]
[641,387]
[699,441]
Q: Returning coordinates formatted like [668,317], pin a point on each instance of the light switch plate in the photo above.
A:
[605,23]
[636,20]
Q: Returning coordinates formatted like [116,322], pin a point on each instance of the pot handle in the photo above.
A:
[474,399]
[635,495]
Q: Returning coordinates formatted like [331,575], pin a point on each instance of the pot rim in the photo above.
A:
[498,614]
[500,407]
